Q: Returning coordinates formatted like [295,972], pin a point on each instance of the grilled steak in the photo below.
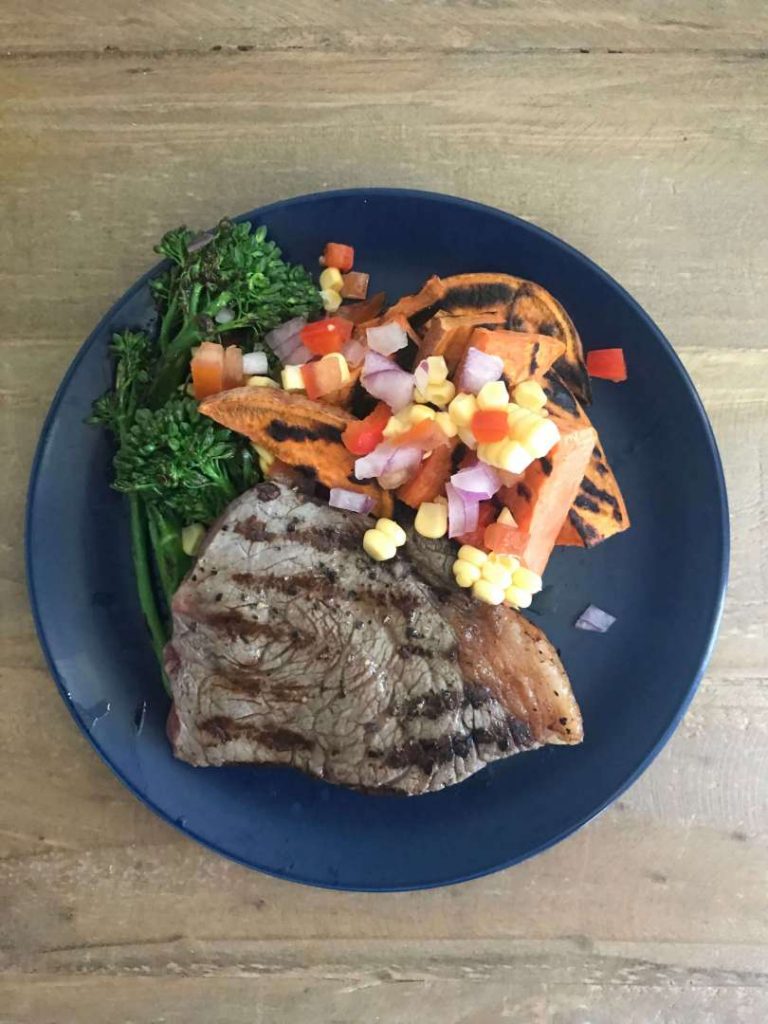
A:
[291,647]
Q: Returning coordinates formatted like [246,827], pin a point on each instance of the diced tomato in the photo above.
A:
[476,537]
[505,539]
[607,363]
[233,367]
[325,336]
[426,435]
[362,312]
[490,425]
[339,255]
[208,370]
[355,285]
[430,478]
[321,377]
[362,436]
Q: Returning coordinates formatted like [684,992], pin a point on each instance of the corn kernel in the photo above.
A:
[510,563]
[528,580]
[473,555]
[465,574]
[496,574]
[541,438]
[462,409]
[518,597]
[441,500]
[467,437]
[436,394]
[529,393]
[514,457]
[493,395]
[506,518]
[420,413]
[491,452]
[261,382]
[446,424]
[487,592]
[331,280]
[331,300]
[394,427]
[337,357]
[378,545]
[266,458]
[437,370]
[191,538]
[431,520]
[516,416]
[292,378]
[392,530]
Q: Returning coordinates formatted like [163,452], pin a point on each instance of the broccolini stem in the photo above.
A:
[140,553]
[167,322]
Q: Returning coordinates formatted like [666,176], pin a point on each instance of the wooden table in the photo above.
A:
[639,132]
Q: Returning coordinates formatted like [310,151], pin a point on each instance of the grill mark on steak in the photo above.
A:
[224,728]
[385,678]
[253,529]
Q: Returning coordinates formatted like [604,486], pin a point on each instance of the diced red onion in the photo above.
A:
[375,462]
[386,381]
[255,363]
[480,482]
[479,368]
[351,501]
[387,338]
[463,512]
[421,376]
[401,467]
[354,352]
[377,363]
[594,620]
[389,462]
[284,340]
[299,355]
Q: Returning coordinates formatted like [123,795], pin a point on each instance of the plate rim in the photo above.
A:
[714,618]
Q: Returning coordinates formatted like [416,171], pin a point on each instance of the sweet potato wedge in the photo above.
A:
[527,306]
[299,432]
[541,500]
[598,510]
[448,335]
[524,355]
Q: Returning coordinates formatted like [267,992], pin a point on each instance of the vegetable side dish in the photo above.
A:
[420,463]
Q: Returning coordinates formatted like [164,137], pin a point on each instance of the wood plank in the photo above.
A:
[509,995]
[397,26]
[654,164]
[610,154]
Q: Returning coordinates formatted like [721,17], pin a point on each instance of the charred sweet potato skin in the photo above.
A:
[527,306]
[299,432]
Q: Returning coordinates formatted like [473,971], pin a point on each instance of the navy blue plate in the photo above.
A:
[664,580]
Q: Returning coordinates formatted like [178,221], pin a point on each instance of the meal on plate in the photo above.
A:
[339,508]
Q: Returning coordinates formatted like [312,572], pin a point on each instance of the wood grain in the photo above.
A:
[653,161]
[382,26]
